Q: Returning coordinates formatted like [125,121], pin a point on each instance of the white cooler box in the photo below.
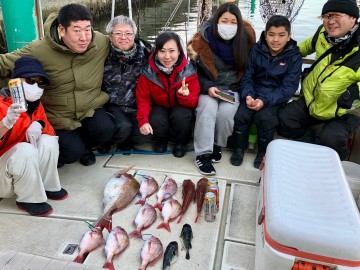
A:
[307,216]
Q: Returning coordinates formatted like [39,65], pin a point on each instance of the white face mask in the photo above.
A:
[227,31]
[32,91]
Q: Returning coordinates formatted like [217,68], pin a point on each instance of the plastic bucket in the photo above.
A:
[352,171]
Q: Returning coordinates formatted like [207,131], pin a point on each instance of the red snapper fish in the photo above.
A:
[151,251]
[145,217]
[188,194]
[119,191]
[201,189]
[171,210]
[167,189]
[147,188]
[116,243]
[89,242]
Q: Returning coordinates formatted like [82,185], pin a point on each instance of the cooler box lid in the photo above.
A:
[308,203]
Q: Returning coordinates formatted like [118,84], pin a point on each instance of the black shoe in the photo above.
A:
[237,157]
[88,159]
[160,147]
[103,149]
[203,163]
[57,195]
[179,150]
[258,159]
[216,154]
[60,164]
[125,146]
[35,209]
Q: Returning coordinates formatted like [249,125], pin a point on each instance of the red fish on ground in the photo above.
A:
[201,189]
[119,191]
[151,251]
[144,218]
[188,194]
[89,242]
[170,211]
[116,243]
[167,189]
[147,188]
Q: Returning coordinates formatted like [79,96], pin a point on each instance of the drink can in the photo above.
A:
[17,92]
[210,207]
[212,182]
[215,189]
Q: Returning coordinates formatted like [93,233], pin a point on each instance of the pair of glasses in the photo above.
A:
[42,84]
[335,16]
[120,34]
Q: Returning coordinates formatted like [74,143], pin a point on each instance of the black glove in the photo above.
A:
[347,98]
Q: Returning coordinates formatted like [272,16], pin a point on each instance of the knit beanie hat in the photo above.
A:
[349,7]
[26,67]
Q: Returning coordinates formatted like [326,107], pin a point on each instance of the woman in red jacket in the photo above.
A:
[167,94]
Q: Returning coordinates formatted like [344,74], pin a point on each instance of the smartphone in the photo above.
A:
[17,92]
[227,96]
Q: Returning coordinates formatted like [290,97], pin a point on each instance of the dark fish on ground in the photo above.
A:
[201,189]
[167,189]
[148,187]
[171,210]
[186,236]
[89,242]
[170,255]
[119,191]
[116,242]
[145,217]
[188,194]
[150,252]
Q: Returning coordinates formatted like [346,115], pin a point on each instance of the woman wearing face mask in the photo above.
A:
[220,50]
[167,94]
[29,149]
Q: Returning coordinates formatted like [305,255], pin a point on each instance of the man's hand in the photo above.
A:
[254,104]
[146,129]
[12,115]
[33,133]
[347,98]
[184,90]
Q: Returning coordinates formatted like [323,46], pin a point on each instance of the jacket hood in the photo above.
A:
[263,47]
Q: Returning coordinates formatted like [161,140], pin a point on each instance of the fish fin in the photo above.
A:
[187,255]
[197,216]
[164,225]
[123,171]
[104,223]
[109,265]
[135,233]
[141,201]
[179,220]
[79,259]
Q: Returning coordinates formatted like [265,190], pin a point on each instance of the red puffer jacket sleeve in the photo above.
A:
[192,99]
[143,100]
[39,115]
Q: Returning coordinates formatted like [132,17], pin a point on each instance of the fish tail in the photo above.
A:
[158,206]
[197,216]
[79,259]
[141,201]
[164,225]
[187,255]
[179,220]
[109,265]
[135,233]
[104,223]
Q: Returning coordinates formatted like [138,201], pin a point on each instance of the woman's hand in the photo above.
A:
[213,92]
[146,129]
[184,90]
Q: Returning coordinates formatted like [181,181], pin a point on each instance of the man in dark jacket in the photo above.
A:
[271,78]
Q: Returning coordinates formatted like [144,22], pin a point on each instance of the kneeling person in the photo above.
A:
[29,149]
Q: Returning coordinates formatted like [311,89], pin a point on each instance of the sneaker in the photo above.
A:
[160,147]
[237,157]
[60,164]
[203,163]
[88,159]
[179,150]
[216,154]
[35,209]
[57,195]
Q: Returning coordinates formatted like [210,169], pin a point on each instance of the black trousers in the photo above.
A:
[126,127]
[264,119]
[95,131]
[177,119]
[294,121]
